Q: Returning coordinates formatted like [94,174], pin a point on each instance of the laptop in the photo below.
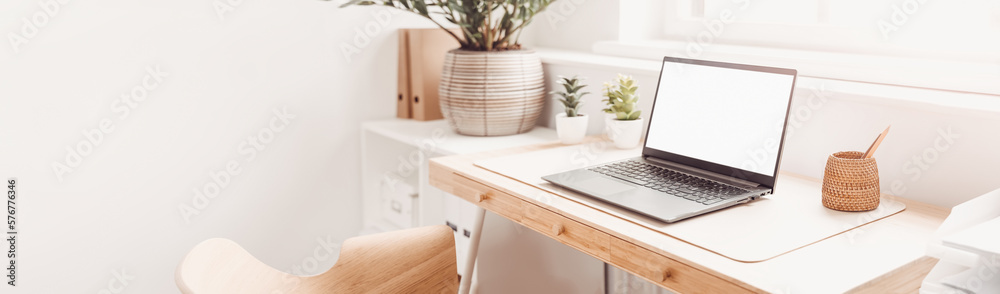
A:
[714,140]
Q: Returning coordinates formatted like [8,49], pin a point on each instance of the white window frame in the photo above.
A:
[643,33]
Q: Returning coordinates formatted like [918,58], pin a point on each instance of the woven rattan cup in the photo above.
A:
[850,182]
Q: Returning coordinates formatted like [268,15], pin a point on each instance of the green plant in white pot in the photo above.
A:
[571,125]
[625,127]
[490,86]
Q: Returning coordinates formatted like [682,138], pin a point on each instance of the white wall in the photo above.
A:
[918,159]
[118,210]
[573,25]
[939,155]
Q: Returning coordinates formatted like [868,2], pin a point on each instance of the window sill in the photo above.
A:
[956,76]
[925,98]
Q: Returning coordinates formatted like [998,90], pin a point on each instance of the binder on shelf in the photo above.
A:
[425,50]
[403,98]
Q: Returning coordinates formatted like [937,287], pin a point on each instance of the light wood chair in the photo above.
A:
[419,260]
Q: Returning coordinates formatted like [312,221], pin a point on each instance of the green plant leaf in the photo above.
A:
[421,7]
[486,24]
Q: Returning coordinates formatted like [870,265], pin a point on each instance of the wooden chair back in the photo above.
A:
[419,260]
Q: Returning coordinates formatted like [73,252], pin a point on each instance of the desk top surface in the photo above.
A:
[834,265]
[791,218]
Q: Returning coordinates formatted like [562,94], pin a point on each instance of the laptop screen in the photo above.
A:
[730,115]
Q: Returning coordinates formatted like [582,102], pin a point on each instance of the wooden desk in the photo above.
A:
[886,256]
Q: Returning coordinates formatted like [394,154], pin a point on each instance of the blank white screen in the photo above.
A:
[726,116]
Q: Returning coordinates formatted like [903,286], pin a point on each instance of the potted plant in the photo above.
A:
[490,86]
[571,125]
[625,127]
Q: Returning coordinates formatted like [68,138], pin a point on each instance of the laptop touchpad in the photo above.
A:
[602,186]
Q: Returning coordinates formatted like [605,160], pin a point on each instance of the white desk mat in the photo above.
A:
[791,218]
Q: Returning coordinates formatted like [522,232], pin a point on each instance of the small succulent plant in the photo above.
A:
[571,97]
[622,98]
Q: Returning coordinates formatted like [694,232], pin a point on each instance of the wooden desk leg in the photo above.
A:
[470,257]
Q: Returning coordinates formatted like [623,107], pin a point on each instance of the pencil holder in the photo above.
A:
[850,182]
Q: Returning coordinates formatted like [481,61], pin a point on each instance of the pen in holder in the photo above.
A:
[850,182]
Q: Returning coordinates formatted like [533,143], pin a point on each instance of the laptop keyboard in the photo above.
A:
[671,182]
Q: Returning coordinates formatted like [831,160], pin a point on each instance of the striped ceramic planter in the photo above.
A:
[492,93]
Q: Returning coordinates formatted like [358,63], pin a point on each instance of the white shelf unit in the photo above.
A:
[398,150]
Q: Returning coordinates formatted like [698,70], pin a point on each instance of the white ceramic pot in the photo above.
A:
[608,118]
[494,93]
[625,133]
[571,130]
